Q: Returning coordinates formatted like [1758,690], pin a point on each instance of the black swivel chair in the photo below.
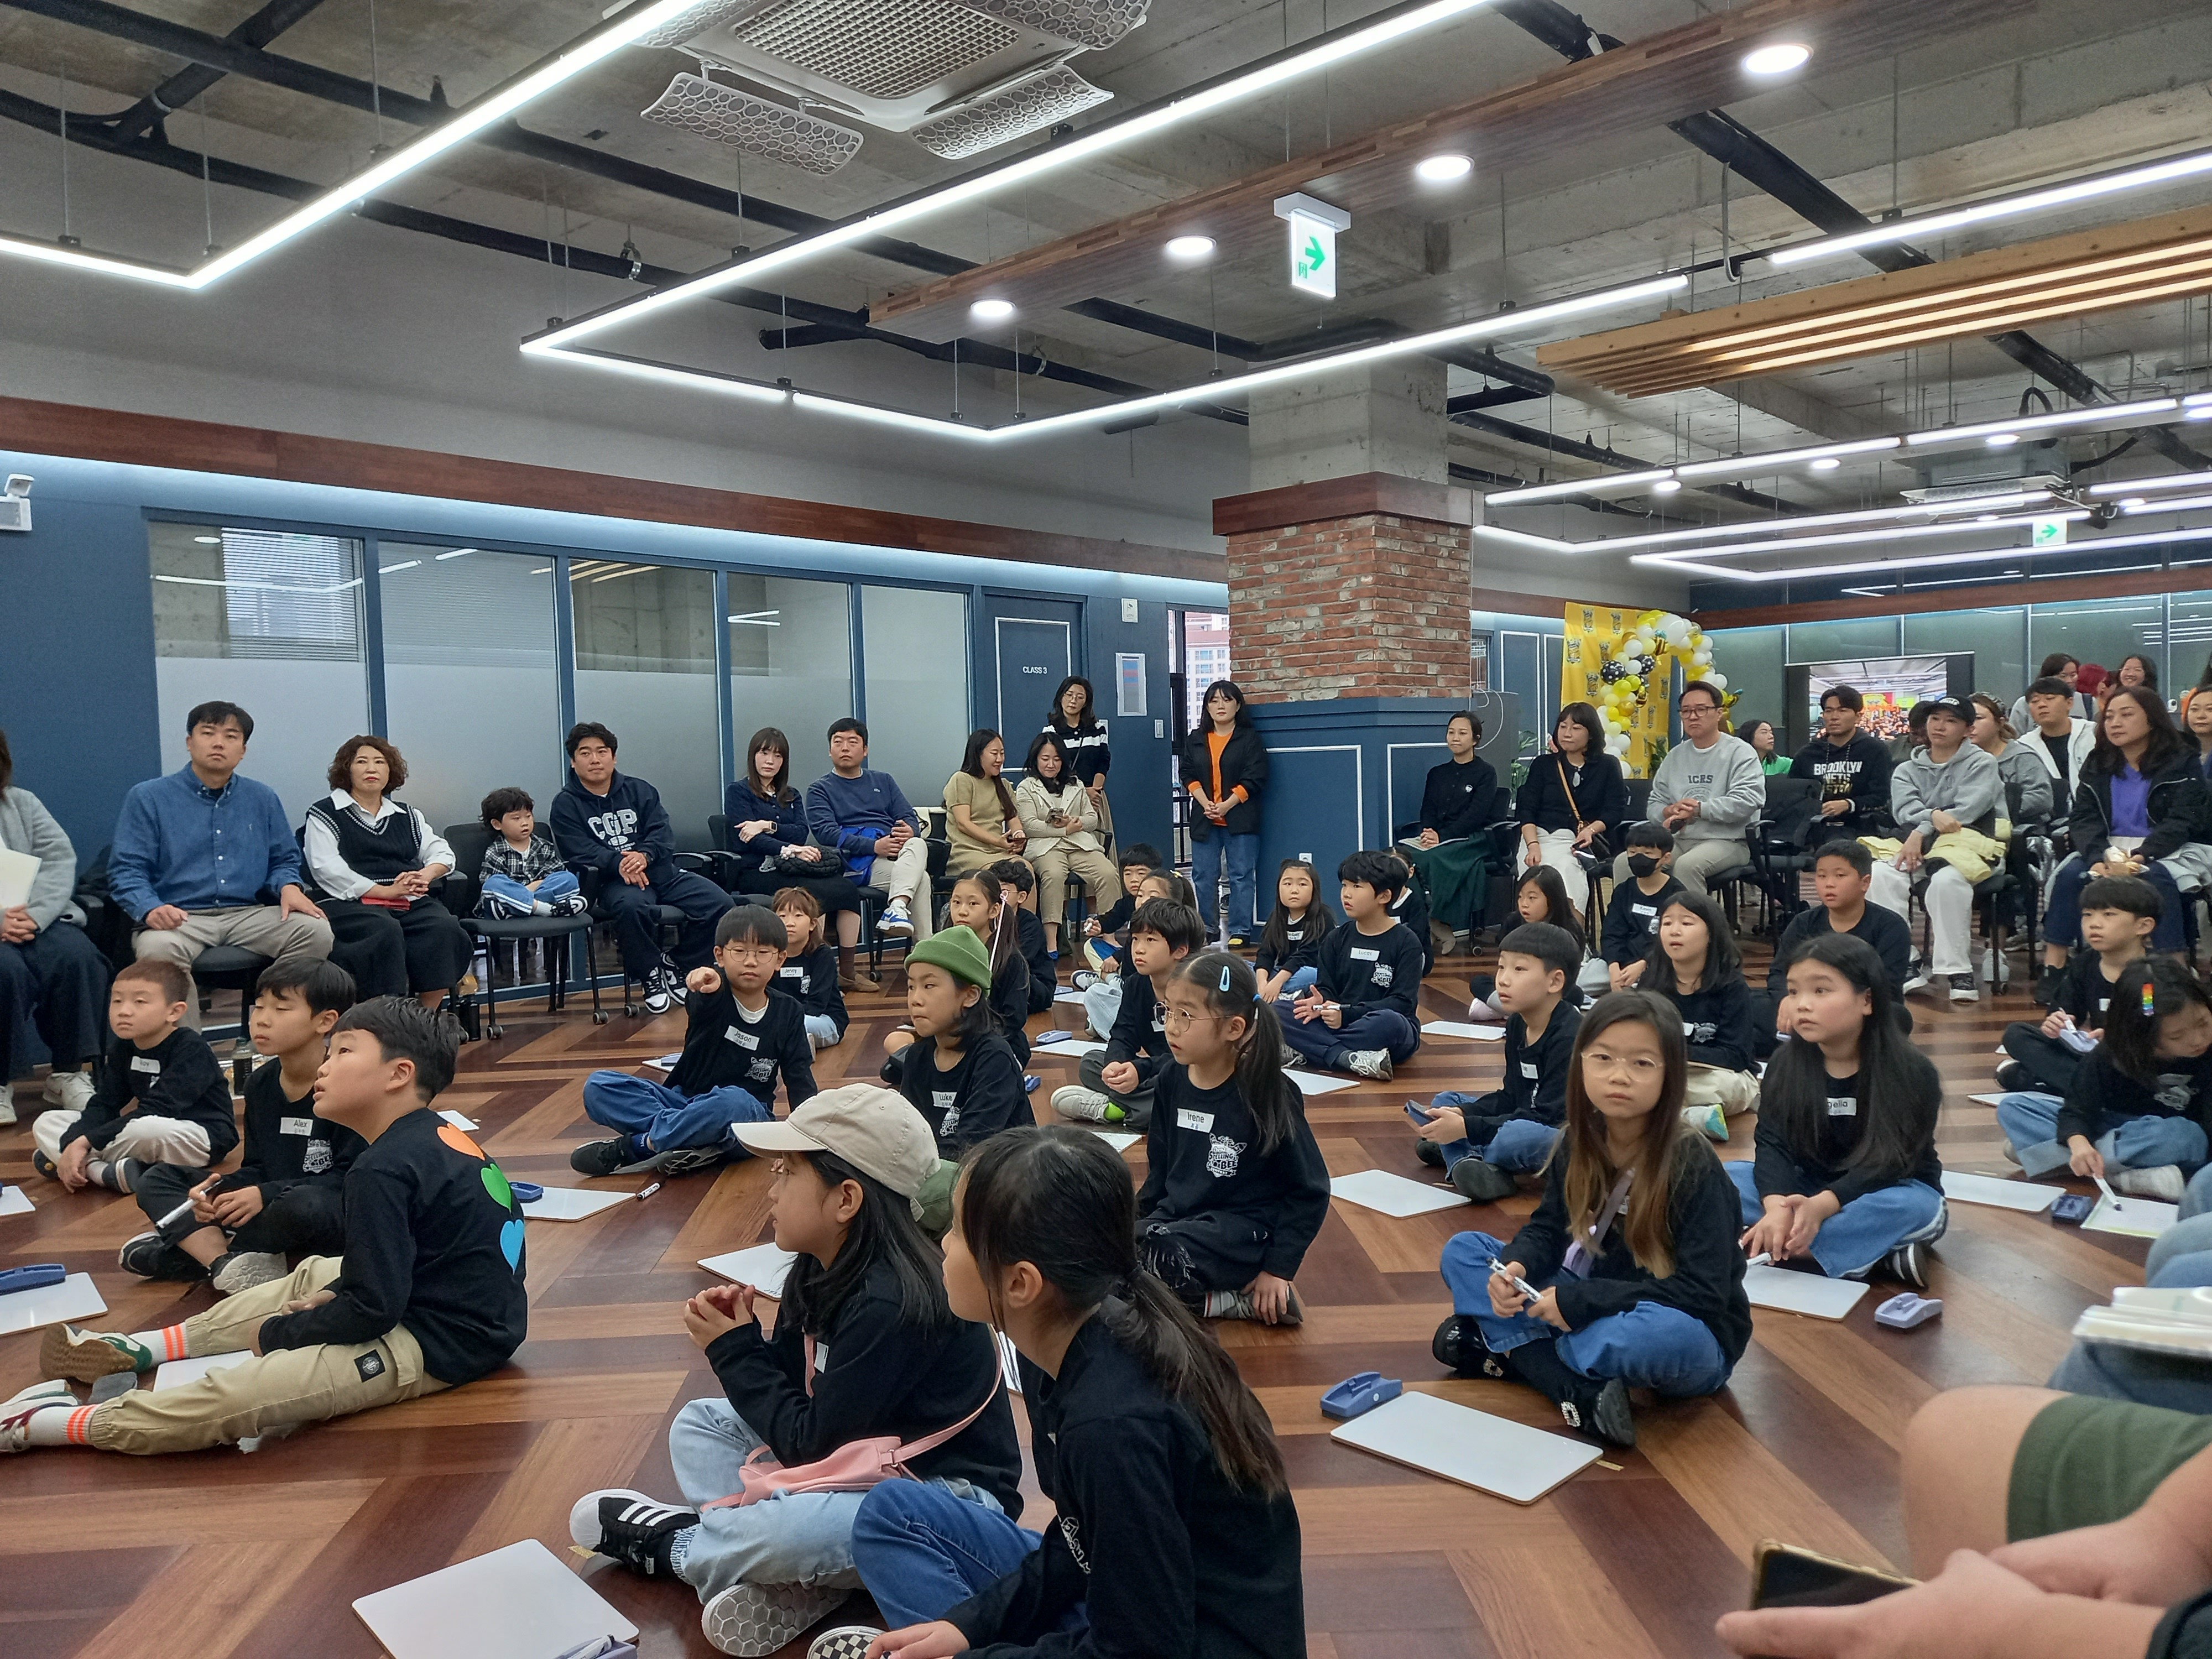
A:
[220,968]
[465,887]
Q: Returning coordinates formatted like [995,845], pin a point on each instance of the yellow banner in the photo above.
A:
[1590,629]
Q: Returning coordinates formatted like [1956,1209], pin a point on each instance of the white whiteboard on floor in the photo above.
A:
[1506,1459]
[13,1201]
[1812,1294]
[1393,1195]
[763,1266]
[1320,1082]
[1074,1050]
[2033,1197]
[572,1203]
[2136,1217]
[175,1373]
[467,1126]
[1463,1028]
[75,1298]
[1120,1139]
[521,1603]
[1065,995]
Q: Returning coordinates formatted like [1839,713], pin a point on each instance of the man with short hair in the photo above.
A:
[1852,767]
[2067,671]
[196,850]
[2057,737]
[607,821]
[866,816]
[1707,791]
[1951,785]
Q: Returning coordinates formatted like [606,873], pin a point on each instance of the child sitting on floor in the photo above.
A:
[1539,895]
[1292,936]
[1362,1012]
[1235,1188]
[1116,1086]
[288,1197]
[428,1294]
[957,1069]
[2119,915]
[162,1098]
[1106,935]
[1483,1141]
[809,974]
[2136,1111]
[1843,876]
[522,873]
[1020,884]
[1632,917]
[864,1346]
[1695,965]
[979,903]
[741,1037]
[1631,1254]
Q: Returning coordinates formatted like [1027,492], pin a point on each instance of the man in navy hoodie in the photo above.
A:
[615,824]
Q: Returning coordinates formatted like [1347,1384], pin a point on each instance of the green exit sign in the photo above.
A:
[1313,224]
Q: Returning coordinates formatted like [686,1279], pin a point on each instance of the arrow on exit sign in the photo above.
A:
[1313,224]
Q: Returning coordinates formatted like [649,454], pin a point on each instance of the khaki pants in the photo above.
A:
[149,1139]
[1095,870]
[1694,862]
[907,876]
[274,1391]
[1734,1092]
[263,929]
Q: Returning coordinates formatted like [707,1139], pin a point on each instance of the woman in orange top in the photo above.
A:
[1224,767]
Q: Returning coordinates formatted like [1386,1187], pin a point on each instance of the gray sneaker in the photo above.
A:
[1084,1105]
[1964,988]
[754,1620]
[1372,1063]
[241,1270]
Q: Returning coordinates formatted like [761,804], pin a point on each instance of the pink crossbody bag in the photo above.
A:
[855,1466]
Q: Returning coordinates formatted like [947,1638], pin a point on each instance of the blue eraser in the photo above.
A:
[2073,1206]
[526,1192]
[1905,1311]
[36,1277]
[1361,1392]
[1056,1035]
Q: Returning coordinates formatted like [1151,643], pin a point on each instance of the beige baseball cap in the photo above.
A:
[877,1133]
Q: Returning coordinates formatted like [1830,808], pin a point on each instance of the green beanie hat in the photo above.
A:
[959,952]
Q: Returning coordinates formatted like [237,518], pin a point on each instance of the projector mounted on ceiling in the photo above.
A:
[960,76]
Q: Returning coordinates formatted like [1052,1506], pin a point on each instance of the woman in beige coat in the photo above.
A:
[1061,823]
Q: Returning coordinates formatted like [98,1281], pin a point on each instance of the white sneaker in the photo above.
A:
[72,1092]
[243,1270]
[1482,1013]
[753,1620]
[1373,1063]
[895,920]
[1085,1105]
[1918,982]
[2162,1181]
[6,1102]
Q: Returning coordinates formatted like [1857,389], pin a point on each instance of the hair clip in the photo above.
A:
[1225,976]
[2150,1001]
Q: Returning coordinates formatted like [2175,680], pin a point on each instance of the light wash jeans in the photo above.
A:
[2181,1259]
[1519,1146]
[922,1552]
[822,1031]
[1297,985]
[505,896]
[666,1118]
[1865,1229]
[2030,1122]
[1651,1345]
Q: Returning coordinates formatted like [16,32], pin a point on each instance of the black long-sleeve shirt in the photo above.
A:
[1140,1032]
[2103,1096]
[2082,991]
[980,1094]
[1716,1024]
[287,1146]
[1458,799]
[1009,997]
[724,1046]
[1365,972]
[1600,792]
[1778,1170]
[811,980]
[1202,1158]
[1535,1085]
[429,1244]
[1704,1217]
[1885,930]
[1044,972]
[1631,921]
[876,1374]
[1858,772]
[1169,1560]
[1302,941]
[177,1078]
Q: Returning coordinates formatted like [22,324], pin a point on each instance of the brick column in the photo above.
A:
[1350,587]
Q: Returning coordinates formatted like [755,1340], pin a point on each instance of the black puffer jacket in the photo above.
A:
[2178,809]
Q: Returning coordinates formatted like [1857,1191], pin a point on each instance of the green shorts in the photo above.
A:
[2085,1460]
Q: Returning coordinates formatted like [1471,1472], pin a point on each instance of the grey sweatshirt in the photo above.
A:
[25,826]
[1724,781]
[2021,764]
[1968,787]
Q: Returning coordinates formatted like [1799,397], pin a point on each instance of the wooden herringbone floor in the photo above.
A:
[218,1555]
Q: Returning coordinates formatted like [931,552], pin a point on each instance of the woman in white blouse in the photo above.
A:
[374,861]
[1060,818]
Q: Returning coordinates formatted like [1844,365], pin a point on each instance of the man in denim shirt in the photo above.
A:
[198,854]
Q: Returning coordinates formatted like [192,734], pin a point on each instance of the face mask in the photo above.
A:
[1642,864]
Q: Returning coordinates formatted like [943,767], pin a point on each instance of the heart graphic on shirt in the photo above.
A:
[494,1181]
[460,1142]
[510,1241]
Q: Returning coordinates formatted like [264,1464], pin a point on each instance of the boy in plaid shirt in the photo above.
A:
[523,874]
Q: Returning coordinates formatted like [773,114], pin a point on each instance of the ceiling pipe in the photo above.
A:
[189,81]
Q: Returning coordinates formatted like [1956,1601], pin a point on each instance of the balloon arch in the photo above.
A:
[1634,656]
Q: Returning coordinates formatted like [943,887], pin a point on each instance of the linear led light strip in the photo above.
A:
[1777,526]
[1140,124]
[1497,323]
[2099,545]
[2006,207]
[497,104]
[1680,558]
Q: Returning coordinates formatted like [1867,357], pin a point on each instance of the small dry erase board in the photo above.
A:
[1505,1459]
[520,1602]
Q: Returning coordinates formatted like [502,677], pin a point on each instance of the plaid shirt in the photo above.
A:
[540,861]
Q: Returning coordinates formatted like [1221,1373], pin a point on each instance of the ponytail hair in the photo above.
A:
[1233,992]
[1006,935]
[2149,993]
[1061,1200]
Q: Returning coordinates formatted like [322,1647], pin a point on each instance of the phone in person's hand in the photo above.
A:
[1785,1576]
[1421,1116]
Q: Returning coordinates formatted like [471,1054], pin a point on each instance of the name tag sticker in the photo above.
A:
[789,973]
[742,1039]
[1689,1029]
[1358,954]
[1843,1106]
[1530,1070]
[1642,911]
[1201,1121]
[295,1126]
[942,1098]
[145,1063]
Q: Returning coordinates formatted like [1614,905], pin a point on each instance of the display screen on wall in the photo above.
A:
[1891,685]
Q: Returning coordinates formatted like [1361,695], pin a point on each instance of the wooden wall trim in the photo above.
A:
[105,434]
[2054,592]
[1347,497]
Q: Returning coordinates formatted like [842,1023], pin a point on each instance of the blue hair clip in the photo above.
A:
[1225,976]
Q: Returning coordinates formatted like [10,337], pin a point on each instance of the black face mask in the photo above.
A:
[1642,864]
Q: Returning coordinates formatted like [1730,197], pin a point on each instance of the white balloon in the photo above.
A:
[1702,657]
[1718,682]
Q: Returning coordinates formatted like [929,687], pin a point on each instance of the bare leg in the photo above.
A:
[430,999]
[205,1245]
[1958,1469]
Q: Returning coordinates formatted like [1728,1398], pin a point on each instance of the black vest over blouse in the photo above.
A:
[377,854]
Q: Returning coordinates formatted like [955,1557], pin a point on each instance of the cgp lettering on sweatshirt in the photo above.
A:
[617,828]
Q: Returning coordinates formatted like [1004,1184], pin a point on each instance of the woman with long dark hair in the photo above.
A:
[767,831]
[1225,767]
[982,821]
[1060,818]
[53,980]
[1762,736]
[1571,797]
[1449,853]
[2138,811]
[1075,721]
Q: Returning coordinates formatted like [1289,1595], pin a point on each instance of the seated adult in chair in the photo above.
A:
[1851,767]
[866,816]
[195,851]
[1948,793]
[53,980]
[374,861]
[608,821]
[982,824]
[768,832]
[1448,856]
[1061,819]
[1707,791]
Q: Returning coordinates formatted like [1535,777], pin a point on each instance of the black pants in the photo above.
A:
[396,952]
[53,1000]
[2050,1062]
[304,1220]
[833,893]
[637,930]
[1193,1255]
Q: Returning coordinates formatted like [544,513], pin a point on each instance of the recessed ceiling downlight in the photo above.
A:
[1777,59]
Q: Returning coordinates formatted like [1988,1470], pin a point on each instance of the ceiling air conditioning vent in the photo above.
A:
[730,117]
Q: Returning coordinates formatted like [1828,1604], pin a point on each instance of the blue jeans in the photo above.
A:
[1378,1028]
[1651,1345]
[2062,918]
[503,896]
[2181,1259]
[666,1118]
[922,1551]
[796,1538]
[2031,1122]
[1519,1146]
[1297,984]
[1865,1229]
[1205,876]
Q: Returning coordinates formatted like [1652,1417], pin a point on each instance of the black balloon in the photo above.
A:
[1612,671]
